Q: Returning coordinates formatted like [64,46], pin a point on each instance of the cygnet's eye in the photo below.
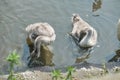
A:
[75,16]
[34,36]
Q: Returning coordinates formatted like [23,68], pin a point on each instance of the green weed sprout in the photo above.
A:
[70,70]
[13,59]
[104,68]
[56,74]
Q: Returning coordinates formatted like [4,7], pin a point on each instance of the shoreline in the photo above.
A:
[85,71]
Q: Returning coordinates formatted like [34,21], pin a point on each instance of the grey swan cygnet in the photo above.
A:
[40,34]
[83,33]
[118,30]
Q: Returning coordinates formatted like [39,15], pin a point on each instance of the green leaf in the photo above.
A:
[71,69]
[13,57]
[56,73]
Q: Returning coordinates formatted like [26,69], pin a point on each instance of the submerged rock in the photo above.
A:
[45,58]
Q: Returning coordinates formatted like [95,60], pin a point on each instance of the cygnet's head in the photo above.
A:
[75,18]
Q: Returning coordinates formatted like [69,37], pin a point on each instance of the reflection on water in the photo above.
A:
[96,5]
[116,58]
[82,58]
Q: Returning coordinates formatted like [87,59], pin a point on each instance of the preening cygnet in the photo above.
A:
[83,33]
[40,34]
